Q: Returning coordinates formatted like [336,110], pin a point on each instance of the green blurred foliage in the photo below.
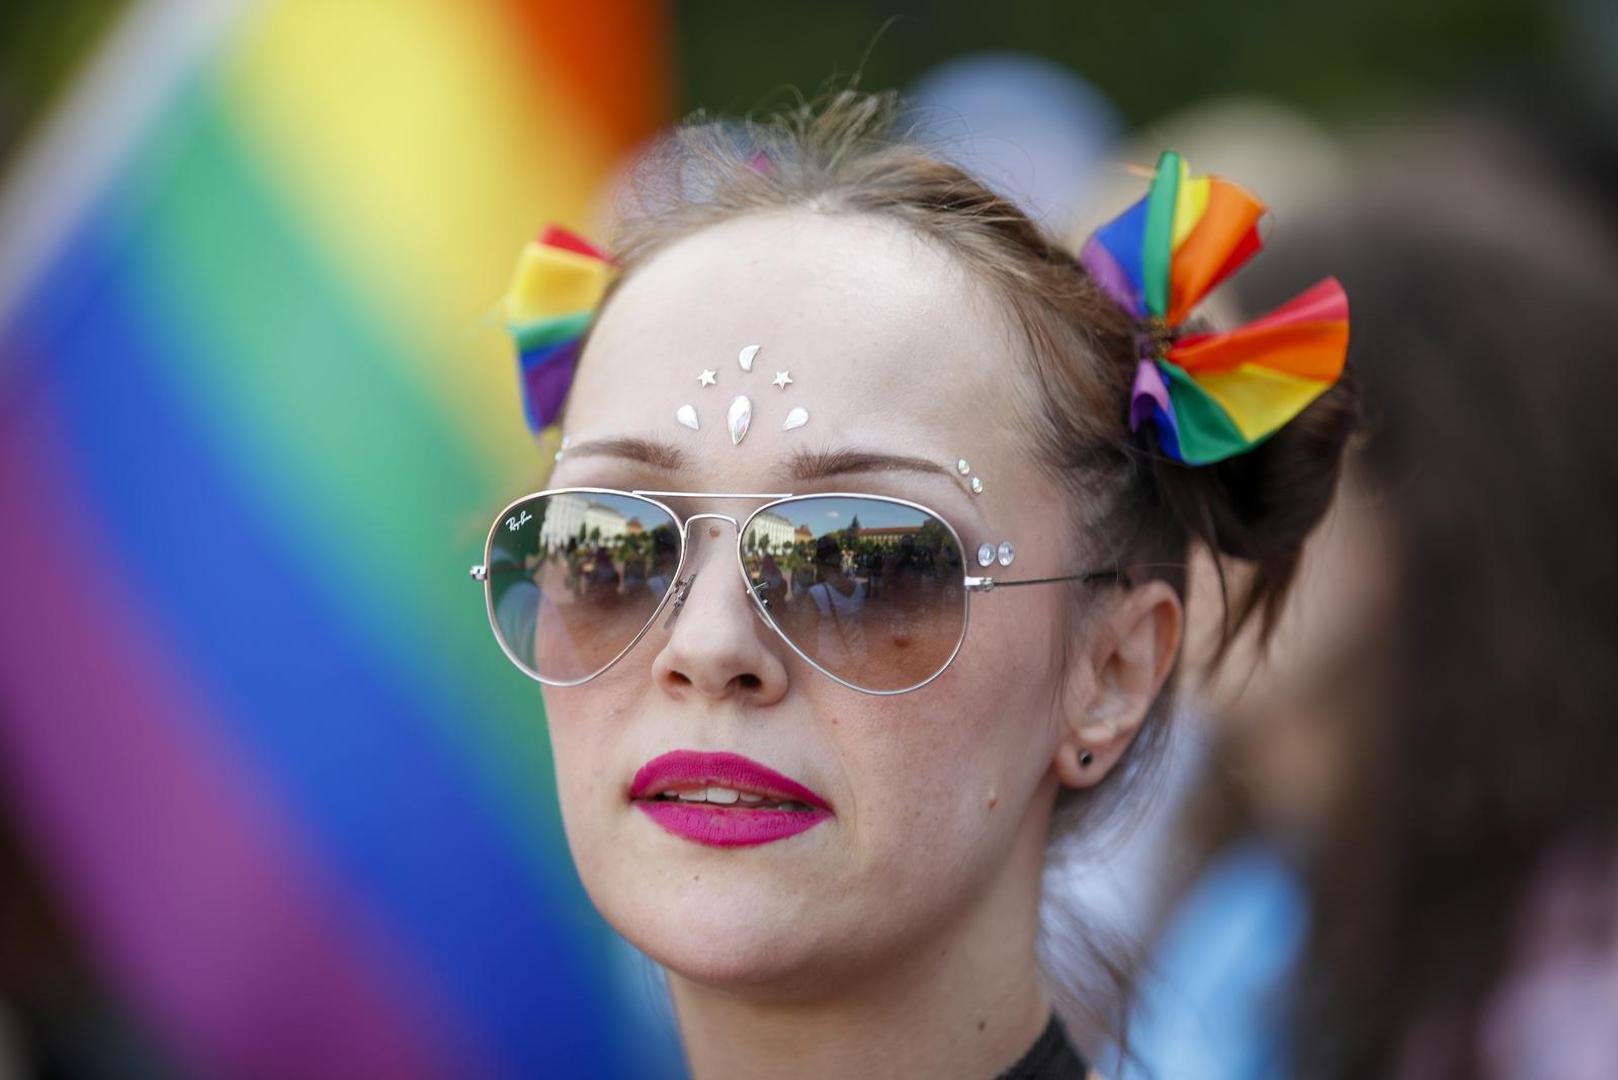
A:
[1333,57]
[42,44]
[1148,58]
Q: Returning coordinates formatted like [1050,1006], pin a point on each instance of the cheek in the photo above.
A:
[585,726]
[957,762]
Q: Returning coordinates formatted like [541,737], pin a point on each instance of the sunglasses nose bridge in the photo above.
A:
[712,533]
[720,517]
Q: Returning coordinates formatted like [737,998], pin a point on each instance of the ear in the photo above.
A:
[1121,662]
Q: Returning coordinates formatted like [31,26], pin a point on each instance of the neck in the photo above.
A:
[967,1002]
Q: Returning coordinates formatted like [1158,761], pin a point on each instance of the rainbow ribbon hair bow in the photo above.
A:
[560,279]
[1211,396]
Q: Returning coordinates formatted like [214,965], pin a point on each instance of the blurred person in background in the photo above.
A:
[1408,822]
[1466,884]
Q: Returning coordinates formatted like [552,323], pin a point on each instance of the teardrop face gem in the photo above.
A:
[985,554]
[962,467]
[798,417]
[739,417]
[1005,553]
[977,486]
[745,357]
[687,415]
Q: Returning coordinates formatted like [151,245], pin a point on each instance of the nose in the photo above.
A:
[719,645]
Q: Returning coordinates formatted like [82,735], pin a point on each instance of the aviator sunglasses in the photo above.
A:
[870,590]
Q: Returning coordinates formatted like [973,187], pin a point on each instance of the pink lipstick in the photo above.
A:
[723,799]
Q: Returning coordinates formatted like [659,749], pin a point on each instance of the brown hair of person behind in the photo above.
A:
[846,154]
[1479,713]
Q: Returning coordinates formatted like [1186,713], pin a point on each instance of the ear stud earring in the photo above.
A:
[1086,759]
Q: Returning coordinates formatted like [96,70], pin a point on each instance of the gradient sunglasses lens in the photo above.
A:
[575,576]
[870,590]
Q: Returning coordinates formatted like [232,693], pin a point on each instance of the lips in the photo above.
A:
[723,799]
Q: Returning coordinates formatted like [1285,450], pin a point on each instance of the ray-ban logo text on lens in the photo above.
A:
[515,522]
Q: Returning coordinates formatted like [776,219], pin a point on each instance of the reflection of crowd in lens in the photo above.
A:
[828,591]
[603,570]
[880,563]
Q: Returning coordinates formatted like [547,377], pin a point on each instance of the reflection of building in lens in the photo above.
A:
[579,517]
[889,535]
[772,532]
[803,534]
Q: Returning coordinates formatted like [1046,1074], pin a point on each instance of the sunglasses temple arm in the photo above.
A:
[986,583]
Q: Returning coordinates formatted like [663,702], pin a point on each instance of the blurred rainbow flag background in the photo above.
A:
[254,413]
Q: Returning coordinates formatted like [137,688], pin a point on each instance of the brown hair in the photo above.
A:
[1478,712]
[846,155]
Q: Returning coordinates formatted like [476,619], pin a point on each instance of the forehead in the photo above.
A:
[889,343]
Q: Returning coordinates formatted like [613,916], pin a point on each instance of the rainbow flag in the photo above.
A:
[255,407]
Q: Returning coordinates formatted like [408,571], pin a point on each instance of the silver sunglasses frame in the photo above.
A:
[971,583]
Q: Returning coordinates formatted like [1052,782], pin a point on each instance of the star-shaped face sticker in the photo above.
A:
[781,379]
[707,377]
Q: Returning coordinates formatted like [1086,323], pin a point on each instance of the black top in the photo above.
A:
[1051,1057]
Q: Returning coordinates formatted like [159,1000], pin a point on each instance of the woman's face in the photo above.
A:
[893,351]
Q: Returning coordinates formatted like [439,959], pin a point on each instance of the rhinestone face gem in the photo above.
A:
[962,467]
[985,554]
[745,357]
[739,418]
[796,418]
[1005,553]
[687,415]
[707,377]
[977,486]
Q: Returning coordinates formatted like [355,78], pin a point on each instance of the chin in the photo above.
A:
[724,931]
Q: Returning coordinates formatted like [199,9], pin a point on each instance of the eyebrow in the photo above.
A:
[801,465]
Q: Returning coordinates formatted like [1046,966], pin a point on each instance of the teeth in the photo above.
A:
[719,796]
